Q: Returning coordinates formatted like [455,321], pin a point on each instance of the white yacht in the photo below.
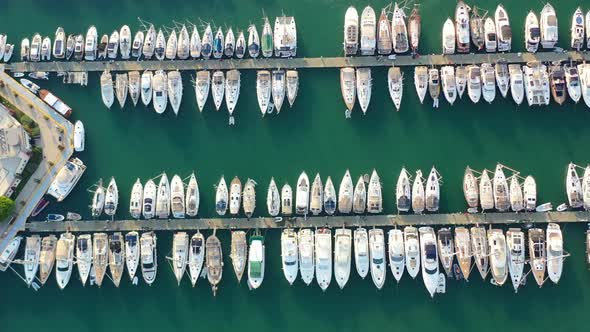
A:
[230,43]
[429,258]
[577,30]
[160,91]
[240,49]
[149,258]
[412,251]
[584,72]
[84,256]
[64,259]
[377,257]
[537,254]
[202,84]
[249,198]
[31,257]
[134,86]
[121,88]
[573,187]
[111,198]
[35,48]
[179,255]
[516,195]
[345,194]
[192,197]
[45,49]
[196,257]
[289,255]
[263,90]
[235,196]
[374,195]
[183,47]
[286,200]
[79,138]
[125,42]
[323,257]
[59,44]
[503,30]
[329,199]
[498,256]
[207,43]
[368,31]
[195,43]
[266,39]
[418,198]
[572,80]
[90,44]
[549,35]
[348,86]
[463,251]
[177,197]
[403,197]
[116,257]
[488,79]
[174,89]
[25,48]
[359,197]
[106,89]
[501,190]
[342,256]
[351,31]
[480,250]
[256,261]
[113,45]
[221,197]
[421,81]
[474,83]
[292,86]
[516,256]
[363,87]
[305,239]
[302,195]
[555,255]
[132,253]
[396,251]
[218,88]
[399,31]
[502,78]
[486,191]
[446,250]
[46,256]
[100,256]
[278,88]
[135,203]
[316,197]
[470,189]
[532,32]
[461,80]
[448,37]
[462,26]
[536,84]
[361,251]
[149,43]
[137,46]
[490,34]
[66,179]
[171,46]
[149,199]
[395,85]
[163,198]
[232,90]
[530,193]
[432,192]
[516,83]
[448,83]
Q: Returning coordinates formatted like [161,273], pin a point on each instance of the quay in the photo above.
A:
[299,222]
[321,62]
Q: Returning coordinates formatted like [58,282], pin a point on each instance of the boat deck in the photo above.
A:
[335,221]
[321,62]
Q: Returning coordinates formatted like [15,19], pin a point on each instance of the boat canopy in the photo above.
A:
[506,32]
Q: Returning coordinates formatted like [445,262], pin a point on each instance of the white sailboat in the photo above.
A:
[286,200]
[395,85]
[368,31]
[374,195]
[486,191]
[179,255]
[171,46]
[177,197]
[530,193]
[132,253]
[31,257]
[461,80]
[573,187]
[192,197]
[302,195]
[403,192]
[218,88]
[84,256]
[100,256]
[363,87]
[116,257]
[221,197]
[470,189]
[498,256]
[345,194]
[263,90]
[232,91]
[202,84]
[134,86]
[196,257]
[278,88]
[480,250]
[146,87]
[316,198]
[249,198]
[329,199]
[163,198]
[289,255]
[235,196]
[111,198]
[463,251]
[501,190]
[446,250]
[421,81]
[174,89]
[432,193]
[555,254]
[195,44]
[135,203]
[516,195]
[359,198]
[125,42]
[292,86]
[516,256]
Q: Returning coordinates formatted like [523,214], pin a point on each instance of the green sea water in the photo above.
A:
[313,136]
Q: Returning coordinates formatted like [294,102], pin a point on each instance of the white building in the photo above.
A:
[15,151]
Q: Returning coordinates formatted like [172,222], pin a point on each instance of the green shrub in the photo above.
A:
[6,207]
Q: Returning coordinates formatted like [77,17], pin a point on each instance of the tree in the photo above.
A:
[6,207]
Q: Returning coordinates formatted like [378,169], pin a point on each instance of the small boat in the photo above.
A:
[532,32]
[149,199]
[273,199]
[351,31]
[476,27]
[377,257]
[498,256]
[488,80]
[78,48]
[230,43]
[396,252]
[160,91]
[502,78]
[149,257]
[548,24]
[448,37]
[195,44]
[34,88]
[316,199]
[240,46]
[412,251]
[384,42]
[202,84]
[235,196]
[218,88]
[100,256]
[41,205]
[342,256]
[45,49]
[516,195]
[323,257]
[249,198]
[116,257]
[177,203]
[577,30]
[132,253]
[207,43]
[418,199]
[149,43]
[330,197]
[345,194]
[516,256]
[302,195]
[503,30]
[399,31]
[359,198]
[163,198]
[462,27]
[536,84]
[486,192]
[414,27]
[361,252]
[572,80]
[221,197]
[434,85]
[348,86]
[490,34]
[292,86]
[171,46]
[134,86]
[421,81]
[403,191]
[429,257]
[555,254]
[448,83]
[516,83]
[102,47]
[586,188]
[196,257]
[113,45]
[232,91]
[368,31]
[9,253]
[305,240]
[55,217]
[192,197]
[160,46]
[474,85]
[218,44]
[584,72]
[137,46]
[84,256]
[463,251]
[79,140]
[239,253]
[290,255]
[501,190]
[125,42]
[537,254]
[573,188]
[35,50]
[174,90]
[111,198]
[266,43]
[256,261]
[121,88]
[530,193]
[278,88]
[46,257]
[146,87]
[64,259]
[395,85]
[432,192]
[558,84]
[374,195]
[59,44]
[25,49]
[98,200]
[253,42]
[30,258]
[179,255]
[480,250]
[446,250]
[286,200]
[364,87]
[183,47]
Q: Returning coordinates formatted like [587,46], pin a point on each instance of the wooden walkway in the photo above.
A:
[336,221]
[321,62]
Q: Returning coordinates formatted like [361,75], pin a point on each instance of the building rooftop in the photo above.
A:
[15,150]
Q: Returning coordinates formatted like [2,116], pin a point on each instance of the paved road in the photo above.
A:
[51,129]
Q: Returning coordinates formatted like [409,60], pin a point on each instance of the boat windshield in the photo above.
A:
[430,251]
[255,269]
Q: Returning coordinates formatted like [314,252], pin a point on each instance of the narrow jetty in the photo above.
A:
[321,62]
[298,222]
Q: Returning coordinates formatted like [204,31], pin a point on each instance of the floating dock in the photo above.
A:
[333,222]
[321,62]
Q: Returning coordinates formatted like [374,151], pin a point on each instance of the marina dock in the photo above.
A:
[321,62]
[299,222]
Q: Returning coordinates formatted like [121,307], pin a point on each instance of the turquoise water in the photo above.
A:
[313,136]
